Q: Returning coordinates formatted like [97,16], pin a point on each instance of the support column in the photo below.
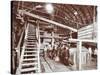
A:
[89,55]
[74,60]
[79,48]
[38,45]
[70,34]
[52,39]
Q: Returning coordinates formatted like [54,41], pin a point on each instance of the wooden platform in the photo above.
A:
[44,65]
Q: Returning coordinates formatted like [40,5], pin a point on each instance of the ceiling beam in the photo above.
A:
[50,21]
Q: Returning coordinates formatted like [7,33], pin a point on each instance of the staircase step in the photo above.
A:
[31,31]
[30,52]
[29,69]
[34,44]
[30,59]
[31,41]
[31,44]
[31,48]
[31,38]
[34,35]
[28,64]
[31,34]
[31,55]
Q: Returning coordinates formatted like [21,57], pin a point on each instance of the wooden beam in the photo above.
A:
[50,37]
[50,21]
[83,40]
[31,20]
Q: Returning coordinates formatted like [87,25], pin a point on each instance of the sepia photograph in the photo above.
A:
[53,37]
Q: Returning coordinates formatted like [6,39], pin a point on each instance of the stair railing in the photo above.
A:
[18,48]
[38,45]
[25,29]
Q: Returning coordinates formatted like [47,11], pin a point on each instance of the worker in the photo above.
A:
[50,51]
[56,57]
[65,56]
[45,50]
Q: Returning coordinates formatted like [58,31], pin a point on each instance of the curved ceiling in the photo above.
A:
[63,13]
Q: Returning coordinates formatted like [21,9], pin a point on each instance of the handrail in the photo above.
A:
[22,53]
[38,46]
[18,48]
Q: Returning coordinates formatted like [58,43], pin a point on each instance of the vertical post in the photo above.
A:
[38,45]
[79,46]
[18,54]
[75,63]
[71,34]
[89,55]
[52,39]
[93,33]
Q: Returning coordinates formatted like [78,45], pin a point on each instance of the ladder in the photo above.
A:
[29,59]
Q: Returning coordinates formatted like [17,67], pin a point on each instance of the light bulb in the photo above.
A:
[75,13]
[49,8]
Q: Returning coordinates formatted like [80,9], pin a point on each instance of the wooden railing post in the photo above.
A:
[18,48]
[38,45]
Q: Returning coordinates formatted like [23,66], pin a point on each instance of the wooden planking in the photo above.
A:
[45,65]
[87,32]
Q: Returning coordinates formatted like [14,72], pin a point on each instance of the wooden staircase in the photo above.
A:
[29,60]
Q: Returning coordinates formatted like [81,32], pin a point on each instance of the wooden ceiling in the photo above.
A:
[63,13]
